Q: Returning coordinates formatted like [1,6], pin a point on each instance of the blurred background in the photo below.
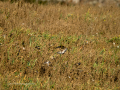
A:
[100,3]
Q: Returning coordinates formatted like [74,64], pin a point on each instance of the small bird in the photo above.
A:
[62,52]
[64,49]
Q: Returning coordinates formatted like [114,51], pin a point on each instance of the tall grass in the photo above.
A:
[30,33]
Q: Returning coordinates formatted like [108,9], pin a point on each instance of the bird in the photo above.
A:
[63,51]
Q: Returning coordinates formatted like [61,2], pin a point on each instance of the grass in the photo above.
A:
[91,35]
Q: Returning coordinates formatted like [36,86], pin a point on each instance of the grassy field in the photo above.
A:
[30,33]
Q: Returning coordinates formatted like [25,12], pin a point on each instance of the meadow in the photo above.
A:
[30,33]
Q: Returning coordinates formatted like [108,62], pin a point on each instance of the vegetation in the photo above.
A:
[30,33]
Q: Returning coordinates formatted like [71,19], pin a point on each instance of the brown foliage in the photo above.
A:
[90,33]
